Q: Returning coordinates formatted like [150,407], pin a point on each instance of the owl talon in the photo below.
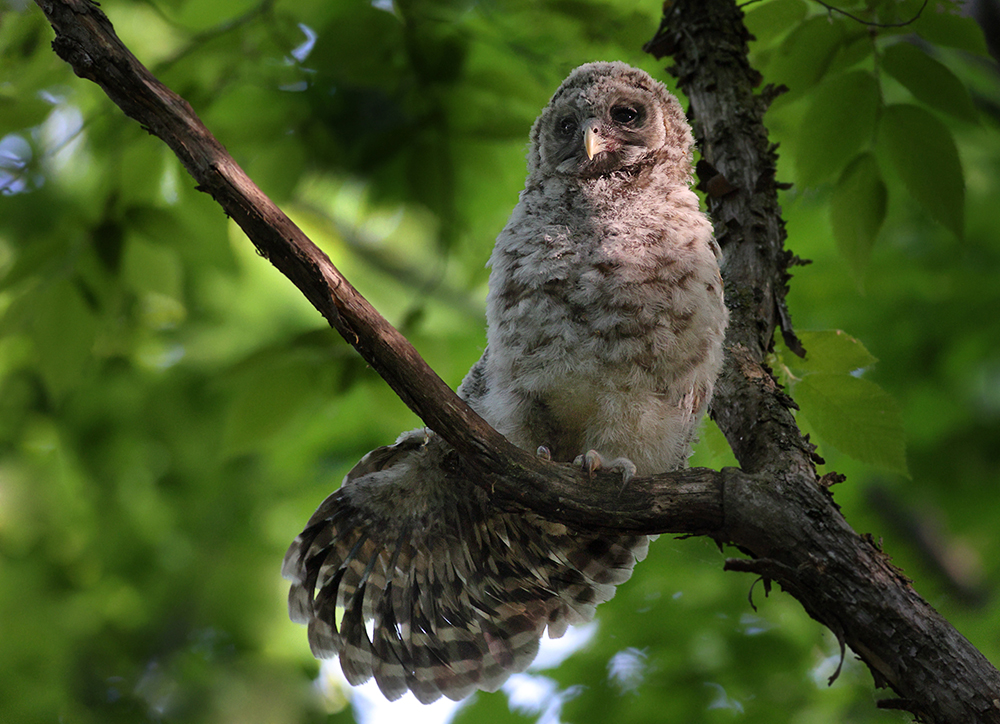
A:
[592,461]
[543,452]
[626,466]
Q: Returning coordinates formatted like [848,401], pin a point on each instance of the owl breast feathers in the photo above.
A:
[605,330]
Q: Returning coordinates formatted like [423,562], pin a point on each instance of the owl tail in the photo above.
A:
[411,576]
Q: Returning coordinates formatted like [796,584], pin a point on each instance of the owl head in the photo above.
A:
[608,117]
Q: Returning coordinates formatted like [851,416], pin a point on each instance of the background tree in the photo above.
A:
[173,409]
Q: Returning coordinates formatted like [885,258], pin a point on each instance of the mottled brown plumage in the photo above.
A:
[605,335]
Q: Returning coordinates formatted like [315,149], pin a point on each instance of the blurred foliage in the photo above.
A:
[171,410]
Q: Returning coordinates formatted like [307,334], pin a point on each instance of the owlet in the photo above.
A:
[606,324]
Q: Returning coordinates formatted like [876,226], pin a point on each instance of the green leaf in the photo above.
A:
[155,274]
[929,81]
[857,47]
[857,210]
[63,329]
[769,21]
[921,149]
[712,450]
[152,268]
[898,15]
[840,121]
[856,416]
[206,15]
[831,350]
[141,172]
[42,256]
[278,167]
[942,27]
[20,112]
[271,390]
[804,56]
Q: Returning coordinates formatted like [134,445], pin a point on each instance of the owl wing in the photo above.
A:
[411,576]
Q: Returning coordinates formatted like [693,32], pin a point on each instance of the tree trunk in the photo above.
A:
[798,536]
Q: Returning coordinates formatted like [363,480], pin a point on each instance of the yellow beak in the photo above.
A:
[593,144]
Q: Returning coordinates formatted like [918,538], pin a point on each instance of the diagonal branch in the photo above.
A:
[774,508]
[684,502]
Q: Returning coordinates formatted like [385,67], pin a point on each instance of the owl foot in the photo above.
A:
[592,461]
[543,452]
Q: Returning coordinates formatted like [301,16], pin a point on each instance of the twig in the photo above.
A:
[870,23]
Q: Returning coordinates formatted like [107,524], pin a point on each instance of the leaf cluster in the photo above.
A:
[866,100]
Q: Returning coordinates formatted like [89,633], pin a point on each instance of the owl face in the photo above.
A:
[607,117]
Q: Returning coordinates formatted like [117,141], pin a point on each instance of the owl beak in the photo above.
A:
[593,143]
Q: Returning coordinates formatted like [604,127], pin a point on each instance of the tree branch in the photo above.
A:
[842,580]
[773,508]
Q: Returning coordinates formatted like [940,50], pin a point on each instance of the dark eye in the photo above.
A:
[624,114]
[567,126]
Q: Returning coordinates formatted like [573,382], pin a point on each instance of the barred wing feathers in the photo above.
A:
[412,577]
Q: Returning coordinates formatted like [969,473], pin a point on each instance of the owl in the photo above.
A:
[605,328]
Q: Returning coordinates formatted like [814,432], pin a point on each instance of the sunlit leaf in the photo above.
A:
[857,210]
[148,33]
[831,350]
[856,416]
[922,151]
[712,449]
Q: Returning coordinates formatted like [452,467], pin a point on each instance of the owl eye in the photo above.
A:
[624,114]
[567,126]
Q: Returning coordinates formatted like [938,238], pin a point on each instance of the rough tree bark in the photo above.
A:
[774,508]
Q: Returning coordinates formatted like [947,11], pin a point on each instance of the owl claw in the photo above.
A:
[592,461]
[543,452]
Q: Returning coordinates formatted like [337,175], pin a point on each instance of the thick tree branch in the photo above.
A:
[841,579]
[774,508]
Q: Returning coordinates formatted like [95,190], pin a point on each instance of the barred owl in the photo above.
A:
[605,329]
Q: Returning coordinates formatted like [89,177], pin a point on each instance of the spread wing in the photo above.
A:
[408,574]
